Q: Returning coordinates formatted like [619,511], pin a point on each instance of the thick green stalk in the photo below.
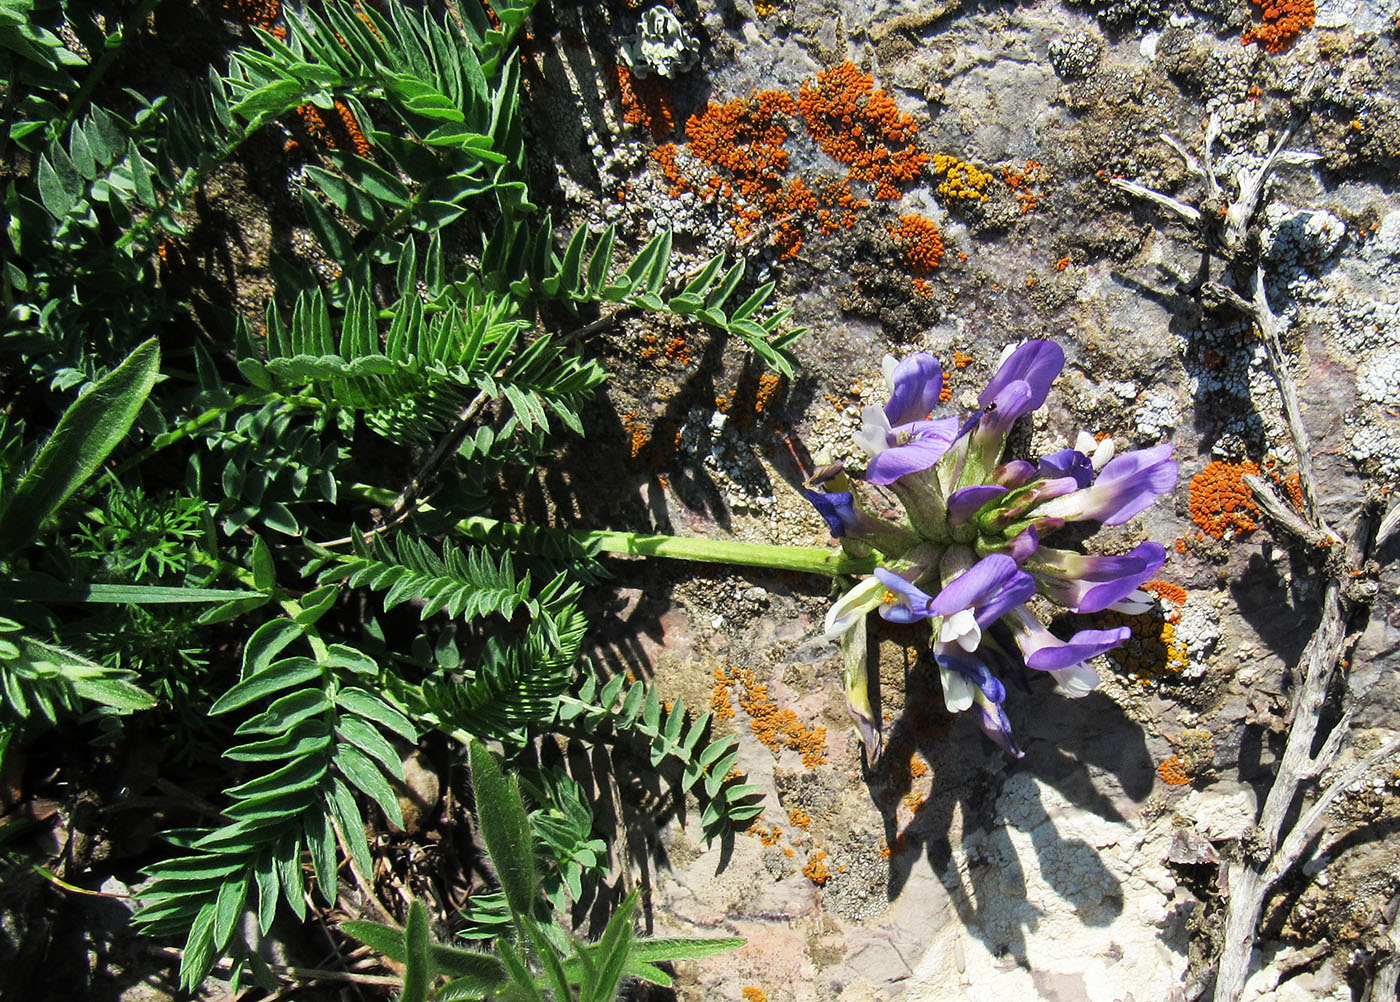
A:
[804,559]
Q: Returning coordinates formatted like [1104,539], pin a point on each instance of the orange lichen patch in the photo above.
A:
[1166,592]
[1220,501]
[1284,22]
[258,13]
[1062,264]
[765,8]
[920,242]
[799,818]
[678,351]
[961,180]
[816,870]
[862,128]
[1022,183]
[646,102]
[917,767]
[961,360]
[946,393]
[1293,487]
[776,728]
[315,125]
[358,141]
[898,847]
[769,837]
[1173,771]
[768,386]
[637,434]
[754,994]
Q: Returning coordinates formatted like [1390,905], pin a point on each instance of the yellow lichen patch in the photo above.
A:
[1220,500]
[753,993]
[1152,650]
[961,180]
[816,870]
[799,818]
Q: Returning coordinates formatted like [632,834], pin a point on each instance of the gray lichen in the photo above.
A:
[661,45]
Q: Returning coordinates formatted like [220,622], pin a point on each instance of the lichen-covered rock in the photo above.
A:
[661,45]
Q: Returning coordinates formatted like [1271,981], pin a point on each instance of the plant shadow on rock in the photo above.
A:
[1064,749]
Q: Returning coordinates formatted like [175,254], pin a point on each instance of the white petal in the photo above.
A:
[1085,443]
[1076,680]
[847,610]
[1103,453]
[887,365]
[956,626]
[875,432]
[958,690]
[1134,604]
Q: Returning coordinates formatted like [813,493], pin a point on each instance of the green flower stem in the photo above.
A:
[804,559]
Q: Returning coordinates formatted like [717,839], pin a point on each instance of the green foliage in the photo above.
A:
[185,533]
[582,275]
[636,709]
[88,431]
[535,959]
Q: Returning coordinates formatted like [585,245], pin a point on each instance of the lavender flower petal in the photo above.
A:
[963,504]
[1127,485]
[995,724]
[838,509]
[1093,583]
[1082,646]
[991,586]
[910,604]
[911,448]
[1036,363]
[1067,463]
[916,383]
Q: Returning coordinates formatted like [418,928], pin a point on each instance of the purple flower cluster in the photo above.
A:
[967,555]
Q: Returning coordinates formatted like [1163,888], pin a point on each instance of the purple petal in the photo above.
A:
[1036,363]
[920,445]
[1131,482]
[1081,647]
[1149,558]
[1010,402]
[918,380]
[1067,463]
[990,586]
[1127,485]
[995,724]
[1013,473]
[914,605]
[1024,545]
[838,509]
[963,504]
[972,669]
